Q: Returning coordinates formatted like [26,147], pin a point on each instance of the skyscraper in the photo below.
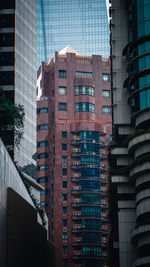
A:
[18,67]
[82,24]
[74,126]
[130,154]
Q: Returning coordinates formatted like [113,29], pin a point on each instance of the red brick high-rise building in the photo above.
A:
[74,127]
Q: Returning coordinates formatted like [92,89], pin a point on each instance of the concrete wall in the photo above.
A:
[9,177]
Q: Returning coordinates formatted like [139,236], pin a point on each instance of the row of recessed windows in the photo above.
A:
[42,110]
[43,179]
[44,192]
[42,144]
[42,167]
[82,90]
[63,74]
[84,106]
[42,127]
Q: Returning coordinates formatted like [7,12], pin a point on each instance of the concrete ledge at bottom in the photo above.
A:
[119,179]
[27,244]
[142,262]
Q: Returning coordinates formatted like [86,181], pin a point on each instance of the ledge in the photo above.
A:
[141,230]
[119,151]
[119,179]
[138,139]
[139,169]
[141,262]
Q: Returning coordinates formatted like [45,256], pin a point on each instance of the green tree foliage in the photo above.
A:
[11,119]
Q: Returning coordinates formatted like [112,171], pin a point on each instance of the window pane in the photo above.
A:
[64,146]
[105,77]
[62,73]
[64,159]
[64,171]
[82,73]
[64,184]
[106,93]
[62,106]
[62,90]
[64,134]
[106,109]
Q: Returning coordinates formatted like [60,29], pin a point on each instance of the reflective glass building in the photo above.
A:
[18,68]
[82,24]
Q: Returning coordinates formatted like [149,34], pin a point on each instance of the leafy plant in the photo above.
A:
[11,119]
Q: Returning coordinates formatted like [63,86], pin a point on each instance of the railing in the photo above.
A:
[89,190]
[89,178]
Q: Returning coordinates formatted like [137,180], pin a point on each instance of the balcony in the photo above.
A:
[77,216]
[78,178]
[78,242]
[80,203]
[78,141]
[78,164]
[78,228]
[79,190]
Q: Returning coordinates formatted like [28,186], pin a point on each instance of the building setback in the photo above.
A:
[18,70]
[130,154]
[74,127]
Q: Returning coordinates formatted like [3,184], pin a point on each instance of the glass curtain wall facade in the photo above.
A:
[80,24]
[18,69]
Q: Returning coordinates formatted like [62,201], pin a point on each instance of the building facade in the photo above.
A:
[80,24]
[18,68]
[130,153]
[74,127]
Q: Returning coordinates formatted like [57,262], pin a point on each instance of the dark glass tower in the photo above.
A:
[130,155]
[18,68]
[82,24]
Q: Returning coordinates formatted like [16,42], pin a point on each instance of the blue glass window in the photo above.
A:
[62,74]
[42,155]
[43,179]
[106,109]
[64,184]
[91,224]
[105,77]
[43,204]
[42,143]
[64,159]
[62,90]
[44,192]
[64,146]
[64,197]
[91,211]
[64,210]
[65,249]
[65,262]
[42,127]
[42,110]
[88,250]
[64,222]
[64,134]
[65,235]
[81,106]
[84,90]
[62,106]
[42,167]
[64,171]
[82,73]
[106,93]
